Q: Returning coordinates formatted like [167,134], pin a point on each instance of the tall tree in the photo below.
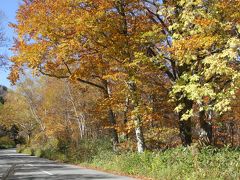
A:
[68,40]
[200,55]
[16,112]
[53,39]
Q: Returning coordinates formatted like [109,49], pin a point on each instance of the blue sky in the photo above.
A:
[9,8]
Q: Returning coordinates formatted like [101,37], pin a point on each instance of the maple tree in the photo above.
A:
[200,55]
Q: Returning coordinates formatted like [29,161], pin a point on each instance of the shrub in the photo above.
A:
[6,142]
[177,163]
[28,151]
[20,148]
[88,149]
[38,152]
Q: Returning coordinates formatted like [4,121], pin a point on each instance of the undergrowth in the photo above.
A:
[6,142]
[177,163]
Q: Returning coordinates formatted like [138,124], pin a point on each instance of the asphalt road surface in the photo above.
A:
[34,168]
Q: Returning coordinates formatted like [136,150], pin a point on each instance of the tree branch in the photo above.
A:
[78,79]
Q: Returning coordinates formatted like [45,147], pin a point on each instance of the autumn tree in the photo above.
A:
[192,47]
[200,55]
[16,112]
[70,107]
[83,47]
[55,41]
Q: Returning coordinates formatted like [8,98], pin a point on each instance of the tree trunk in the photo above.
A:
[137,117]
[132,84]
[111,118]
[29,135]
[139,135]
[79,116]
[152,99]
[185,125]
[113,131]
[125,118]
[205,134]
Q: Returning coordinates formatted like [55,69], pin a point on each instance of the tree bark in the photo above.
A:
[137,118]
[139,135]
[205,134]
[125,118]
[185,125]
[29,135]
[113,131]
[111,118]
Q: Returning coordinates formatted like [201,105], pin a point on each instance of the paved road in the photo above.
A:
[34,168]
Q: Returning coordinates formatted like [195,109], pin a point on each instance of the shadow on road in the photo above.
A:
[34,168]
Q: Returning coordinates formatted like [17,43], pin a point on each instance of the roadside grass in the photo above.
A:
[177,163]
[6,142]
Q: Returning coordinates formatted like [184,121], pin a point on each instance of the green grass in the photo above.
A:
[178,163]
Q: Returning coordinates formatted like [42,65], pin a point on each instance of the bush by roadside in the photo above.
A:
[6,142]
[178,163]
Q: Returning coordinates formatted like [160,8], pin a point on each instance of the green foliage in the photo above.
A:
[38,153]
[20,148]
[54,155]
[28,151]
[178,163]
[6,142]
[52,150]
[56,150]
[88,149]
